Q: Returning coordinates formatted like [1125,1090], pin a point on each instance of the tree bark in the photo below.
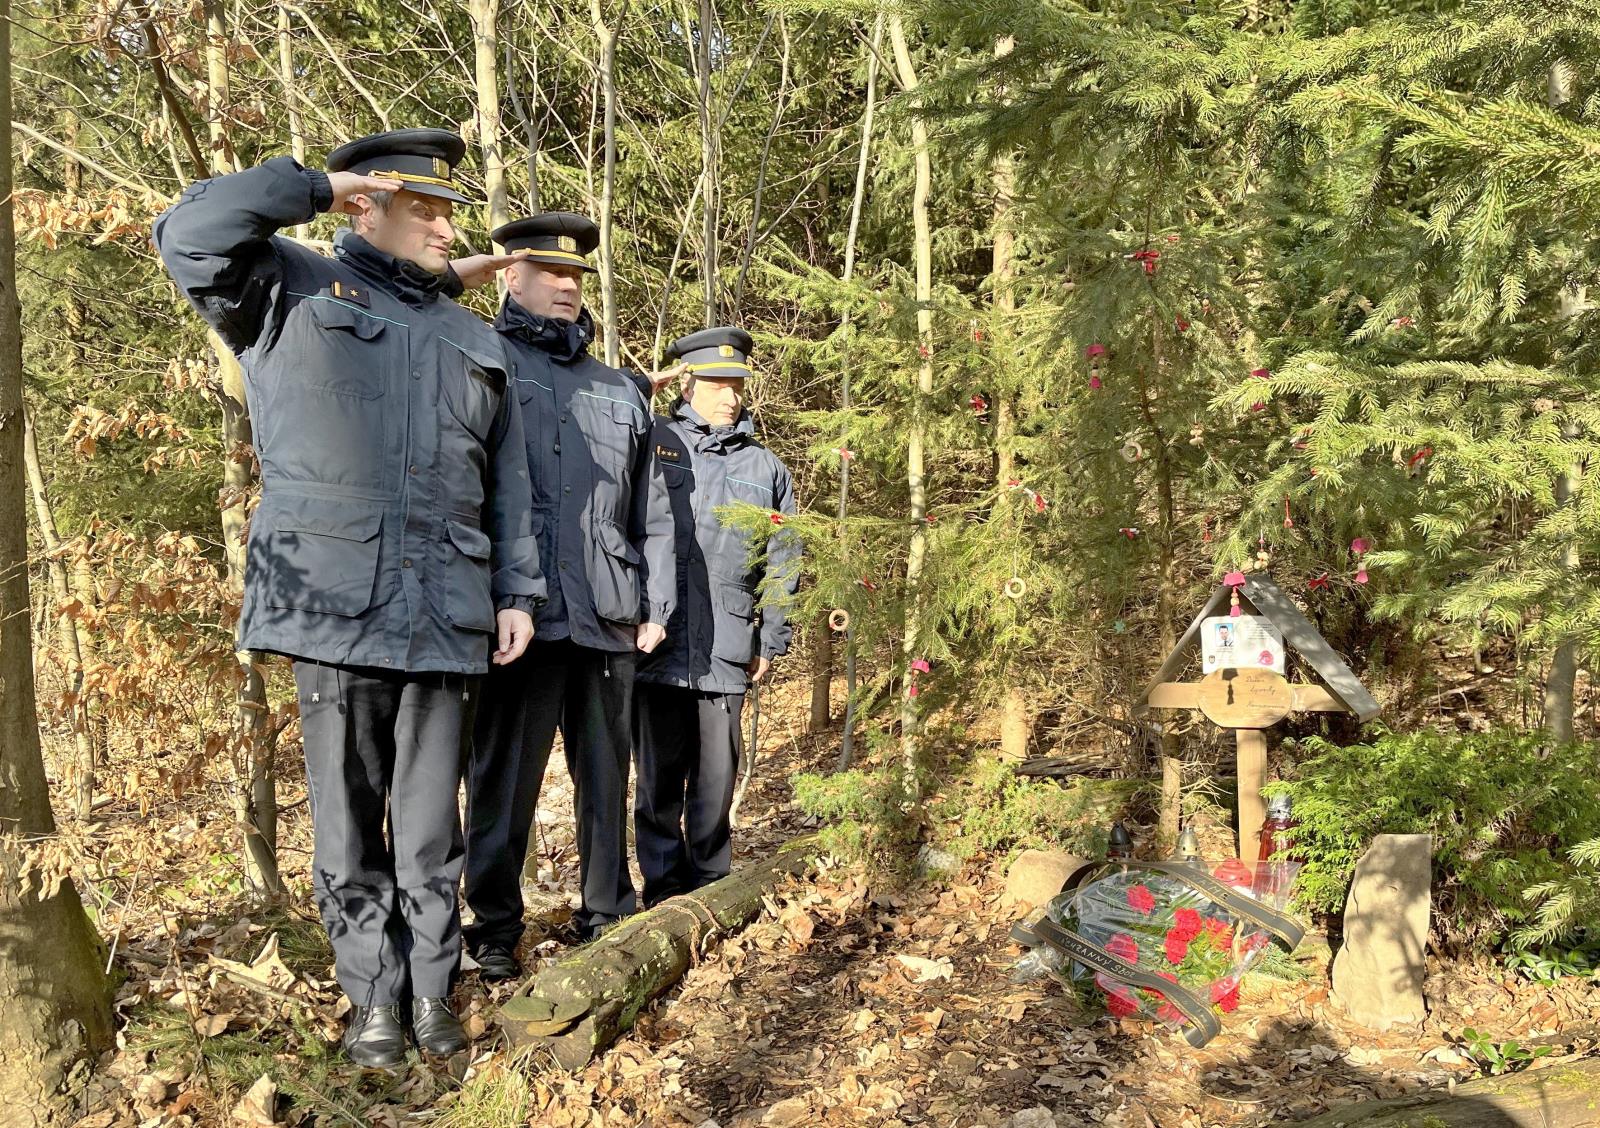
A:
[291,101]
[255,776]
[1171,811]
[916,438]
[1561,683]
[222,158]
[486,87]
[607,40]
[255,784]
[820,715]
[845,328]
[533,132]
[1568,1095]
[708,165]
[1560,686]
[1015,722]
[752,236]
[579,1005]
[57,1014]
[66,630]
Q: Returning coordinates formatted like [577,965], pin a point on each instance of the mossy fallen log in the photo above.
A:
[577,1006]
[1566,1094]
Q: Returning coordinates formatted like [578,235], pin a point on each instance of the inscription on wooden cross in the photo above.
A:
[1249,700]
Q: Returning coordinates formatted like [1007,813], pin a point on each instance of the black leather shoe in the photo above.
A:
[496,963]
[376,1037]
[437,1029]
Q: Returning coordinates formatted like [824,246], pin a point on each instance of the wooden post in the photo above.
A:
[1252,761]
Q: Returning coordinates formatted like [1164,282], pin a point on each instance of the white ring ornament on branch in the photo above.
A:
[839,620]
[1016,587]
[1132,451]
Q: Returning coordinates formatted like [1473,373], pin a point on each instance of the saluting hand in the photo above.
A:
[648,636]
[480,270]
[346,185]
[516,631]
[659,380]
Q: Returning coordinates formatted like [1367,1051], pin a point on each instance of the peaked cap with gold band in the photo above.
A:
[722,353]
[558,238]
[421,159]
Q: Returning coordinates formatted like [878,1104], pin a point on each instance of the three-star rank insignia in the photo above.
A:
[355,295]
[668,454]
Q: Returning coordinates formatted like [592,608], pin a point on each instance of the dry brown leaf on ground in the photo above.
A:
[799,924]
[925,970]
[258,1107]
[267,969]
[210,1025]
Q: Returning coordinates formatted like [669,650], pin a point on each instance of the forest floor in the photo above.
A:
[847,1002]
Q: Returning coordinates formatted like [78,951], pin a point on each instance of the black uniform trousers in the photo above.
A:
[588,693]
[688,745]
[384,751]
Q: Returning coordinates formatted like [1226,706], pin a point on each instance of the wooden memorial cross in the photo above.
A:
[1249,699]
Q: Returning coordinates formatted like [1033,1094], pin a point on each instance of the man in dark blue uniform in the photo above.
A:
[606,546]
[731,618]
[392,550]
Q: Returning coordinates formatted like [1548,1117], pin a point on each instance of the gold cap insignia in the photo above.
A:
[725,350]
[567,243]
[441,167]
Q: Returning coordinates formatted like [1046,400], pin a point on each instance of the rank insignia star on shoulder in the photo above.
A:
[355,295]
[666,453]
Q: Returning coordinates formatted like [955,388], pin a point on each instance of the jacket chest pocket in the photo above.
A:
[474,383]
[614,573]
[612,429]
[347,352]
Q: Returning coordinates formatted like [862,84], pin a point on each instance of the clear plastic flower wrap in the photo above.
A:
[1197,928]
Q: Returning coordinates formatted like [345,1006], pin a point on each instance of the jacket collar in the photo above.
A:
[405,280]
[742,430]
[563,340]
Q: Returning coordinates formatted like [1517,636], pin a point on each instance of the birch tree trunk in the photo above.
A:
[57,1013]
[606,37]
[916,485]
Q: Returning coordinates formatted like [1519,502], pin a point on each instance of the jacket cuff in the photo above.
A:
[453,287]
[518,603]
[657,613]
[321,190]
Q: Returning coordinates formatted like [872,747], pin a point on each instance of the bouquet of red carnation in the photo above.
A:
[1168,940]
